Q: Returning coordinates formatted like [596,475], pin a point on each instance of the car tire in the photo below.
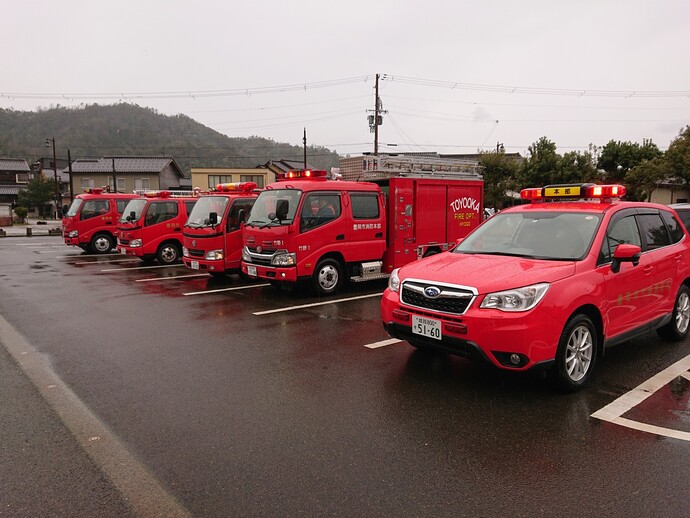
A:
[102,243]
[328,277]
[168,253]
[677,329]
[576,354]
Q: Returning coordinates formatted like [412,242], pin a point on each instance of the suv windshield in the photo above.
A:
[201,213]
[275,207]
[136,206]
[540,235]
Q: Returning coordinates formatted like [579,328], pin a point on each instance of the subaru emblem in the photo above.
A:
[431,292]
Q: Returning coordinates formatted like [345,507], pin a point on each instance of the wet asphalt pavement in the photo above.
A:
[221,409]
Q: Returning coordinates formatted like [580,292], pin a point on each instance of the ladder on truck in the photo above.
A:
[385,167]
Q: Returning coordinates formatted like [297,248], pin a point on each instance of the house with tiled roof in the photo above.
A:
[15,173]
[126,174]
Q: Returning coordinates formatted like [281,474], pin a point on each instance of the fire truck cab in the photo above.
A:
[151,225]
[91,220]
[212,236]
[307,228]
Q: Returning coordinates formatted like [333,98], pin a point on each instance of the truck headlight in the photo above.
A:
[134,243]
[214,255]
[245,255]
[518,299]
[284,260]
[185,251]
[73,233]
[394,281]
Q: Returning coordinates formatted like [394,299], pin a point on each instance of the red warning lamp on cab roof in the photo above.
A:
[303,174]
[93,190]
[236,187]
[157,194]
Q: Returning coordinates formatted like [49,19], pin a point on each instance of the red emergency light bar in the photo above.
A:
[236,187]
[303,174]
[576,191]
[157,194]
[93,190]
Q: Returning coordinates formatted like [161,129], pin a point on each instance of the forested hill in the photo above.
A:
[128,130]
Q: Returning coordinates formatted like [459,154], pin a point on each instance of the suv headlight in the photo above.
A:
[214,255]
[134,243]
[284,260]
[394,281]
[518,299]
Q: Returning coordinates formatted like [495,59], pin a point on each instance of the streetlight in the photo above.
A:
[51,142]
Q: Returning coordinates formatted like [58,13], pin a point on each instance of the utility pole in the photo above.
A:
[51,142]
[376,118]
[304,141]
[114,179]
[71,183]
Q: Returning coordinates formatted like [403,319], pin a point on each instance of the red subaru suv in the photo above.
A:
[549,284]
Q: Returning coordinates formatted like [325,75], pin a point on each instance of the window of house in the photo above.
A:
[214,179]
[142,183]
[86,183]
[120,185]
[258,179]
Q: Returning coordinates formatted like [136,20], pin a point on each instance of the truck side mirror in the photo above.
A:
[625,253]
[132,216]
[241,216]
[282,209]
[213,218]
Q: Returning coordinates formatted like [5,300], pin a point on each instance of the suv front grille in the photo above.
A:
[452,299]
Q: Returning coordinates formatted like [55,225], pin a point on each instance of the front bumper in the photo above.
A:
[483,335]
[270,272]
[204,265]
[125,250]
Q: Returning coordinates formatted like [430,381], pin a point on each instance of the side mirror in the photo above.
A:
[213,218]
[625,253]
[282,209]
[241,216]
[65,209]
[132,216]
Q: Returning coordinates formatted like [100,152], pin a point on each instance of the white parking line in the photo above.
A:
[219,290]
[31,244]
[614,410]
[108,261]
[383,343]
[334,301]
[175,277]
[141,267]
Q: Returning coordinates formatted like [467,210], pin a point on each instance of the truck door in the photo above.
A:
[401,247]
[233,236]
[366,232]
[160,221]
[322,228]
[95,214]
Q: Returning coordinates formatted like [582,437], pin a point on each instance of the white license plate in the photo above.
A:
[194,265]
[251,271]
[426,327]
[123,251]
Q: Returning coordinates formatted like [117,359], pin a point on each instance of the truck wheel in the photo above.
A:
[677,328]
[168,253]
[102,243]
[576,354]
[328,277]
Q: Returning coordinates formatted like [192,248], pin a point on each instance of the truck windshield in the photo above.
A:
[136,206]
[556,235]
[74,208]
[201,213]
[275,207]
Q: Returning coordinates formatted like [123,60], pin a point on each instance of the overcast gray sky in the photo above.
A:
[457,76]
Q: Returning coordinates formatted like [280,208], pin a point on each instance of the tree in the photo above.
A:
[38,193]
[542,166]
[617,158]
[21,213]
[500,176]
[642,179]
[677,157]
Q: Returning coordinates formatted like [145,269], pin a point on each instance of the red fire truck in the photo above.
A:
[151,226]
[305,227]
[91,220]
[212,237]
